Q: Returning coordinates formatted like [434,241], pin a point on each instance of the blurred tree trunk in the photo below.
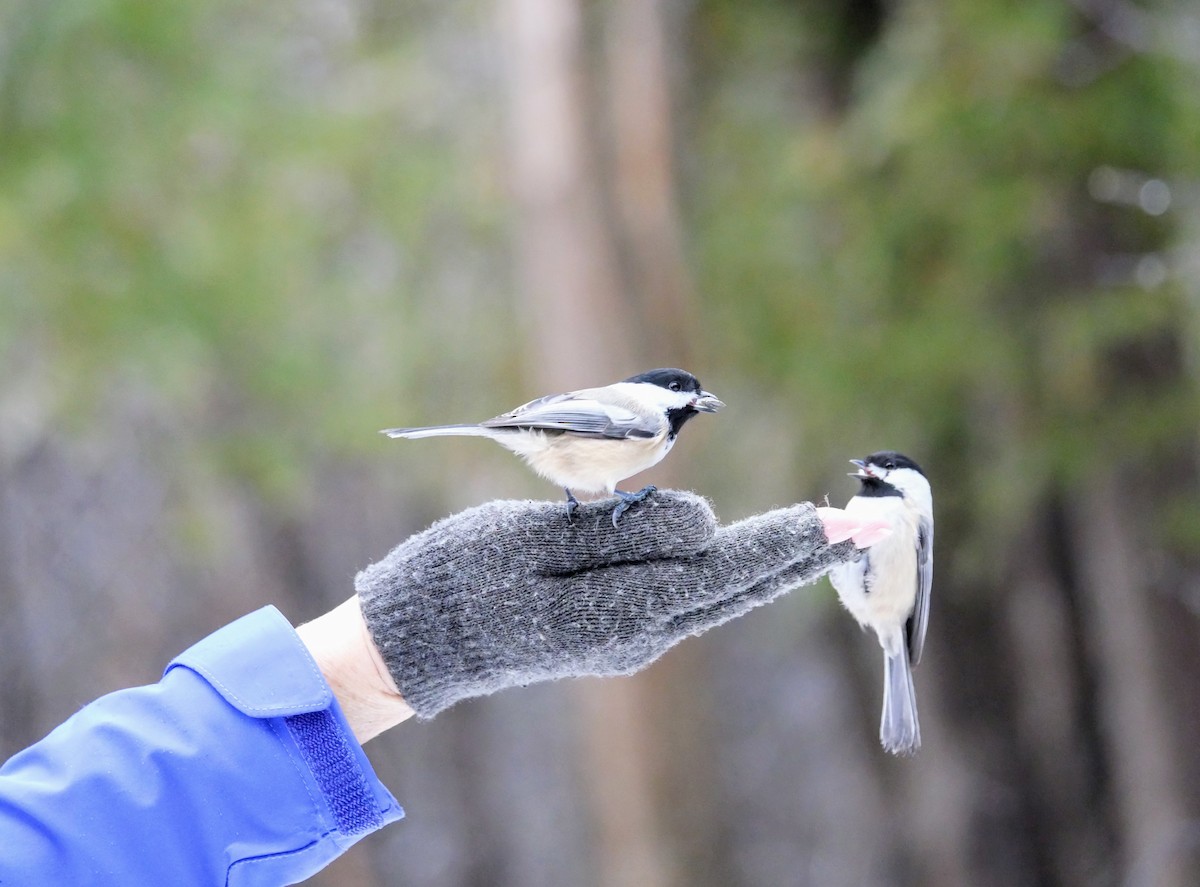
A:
[19,691]
[577,320]
[1052,713]
[644,747]
[640,58]
[579,333]
[640,61]
[1134,716]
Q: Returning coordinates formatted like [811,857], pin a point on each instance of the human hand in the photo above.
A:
[841,525]
[510,592]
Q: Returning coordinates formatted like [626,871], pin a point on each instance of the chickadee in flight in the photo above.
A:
[591,439]
[887,588]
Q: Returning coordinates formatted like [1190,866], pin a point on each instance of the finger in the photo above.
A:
[747,551]
[696,622]
[739,556]
[840,525]
[872,532]
[668,523]
[806,571]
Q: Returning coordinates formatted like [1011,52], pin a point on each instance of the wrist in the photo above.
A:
[341,644]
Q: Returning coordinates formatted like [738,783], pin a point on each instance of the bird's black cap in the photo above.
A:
[890,460]
[670,378]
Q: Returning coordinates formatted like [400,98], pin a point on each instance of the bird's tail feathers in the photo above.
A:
[439,431]
[899,729]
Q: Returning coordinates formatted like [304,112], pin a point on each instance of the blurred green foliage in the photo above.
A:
[965,229]
[295,215]
[244,208]
[922,263]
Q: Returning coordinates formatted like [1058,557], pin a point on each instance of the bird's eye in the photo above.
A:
[889,464]
[674,386]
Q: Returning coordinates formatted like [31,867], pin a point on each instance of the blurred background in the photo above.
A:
[237,239]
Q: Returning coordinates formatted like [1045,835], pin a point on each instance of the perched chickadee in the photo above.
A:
[887,588]
[591,439]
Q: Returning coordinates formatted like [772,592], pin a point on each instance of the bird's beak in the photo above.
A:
[863,470]
[706,403]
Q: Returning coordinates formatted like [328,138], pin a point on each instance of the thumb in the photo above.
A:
[667,524]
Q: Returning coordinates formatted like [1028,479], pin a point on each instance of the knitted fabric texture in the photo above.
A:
[511,592]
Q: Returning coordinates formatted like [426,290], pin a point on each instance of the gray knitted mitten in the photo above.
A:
[510,593]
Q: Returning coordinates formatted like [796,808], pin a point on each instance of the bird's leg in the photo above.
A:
[628,500]
[572,504]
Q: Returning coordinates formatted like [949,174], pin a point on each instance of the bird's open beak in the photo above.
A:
[863,470]
[706,403]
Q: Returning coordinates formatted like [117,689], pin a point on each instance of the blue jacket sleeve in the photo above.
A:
[236,768]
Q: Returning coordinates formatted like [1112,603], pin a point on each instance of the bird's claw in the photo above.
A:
[628,500]
[572,504]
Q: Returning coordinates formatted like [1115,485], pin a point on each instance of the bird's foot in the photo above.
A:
[628,500]
[572,504]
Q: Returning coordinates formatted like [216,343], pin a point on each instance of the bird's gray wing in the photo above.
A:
[576,414]
[918,622]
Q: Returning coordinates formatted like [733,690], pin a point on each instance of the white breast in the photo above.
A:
[586,465]
[880,589]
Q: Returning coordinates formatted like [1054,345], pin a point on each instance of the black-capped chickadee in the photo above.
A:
[590,440]
[887,587]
